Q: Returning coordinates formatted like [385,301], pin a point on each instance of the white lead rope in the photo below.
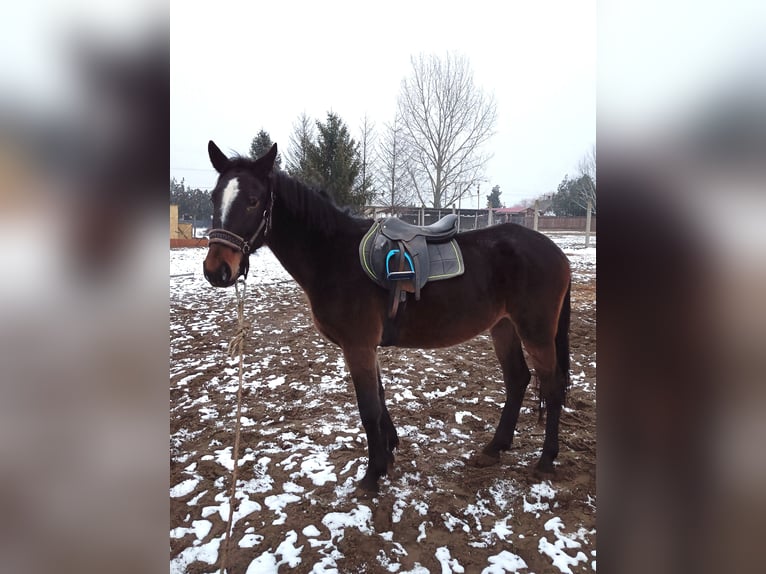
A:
[236,346]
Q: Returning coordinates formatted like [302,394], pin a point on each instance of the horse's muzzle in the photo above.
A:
[221,266]
[220,277]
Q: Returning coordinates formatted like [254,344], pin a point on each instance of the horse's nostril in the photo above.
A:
[225,272]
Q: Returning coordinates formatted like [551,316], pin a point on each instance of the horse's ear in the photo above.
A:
[266,162]
[217,158]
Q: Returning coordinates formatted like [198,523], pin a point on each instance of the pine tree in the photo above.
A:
[261,144]
[493,199]
[193,203]
[565,202]
[334,162]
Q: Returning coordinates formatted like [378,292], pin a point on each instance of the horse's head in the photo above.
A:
[242,202]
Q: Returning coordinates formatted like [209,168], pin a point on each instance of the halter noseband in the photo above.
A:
[238,243]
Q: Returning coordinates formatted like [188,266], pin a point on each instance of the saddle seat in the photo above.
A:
[442,230]
[402,257]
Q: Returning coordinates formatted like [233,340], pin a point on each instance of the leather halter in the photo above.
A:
[238,243]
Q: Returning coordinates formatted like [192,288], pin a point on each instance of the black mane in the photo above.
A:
[315,208]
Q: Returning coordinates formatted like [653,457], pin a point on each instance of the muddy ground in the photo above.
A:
[303,448]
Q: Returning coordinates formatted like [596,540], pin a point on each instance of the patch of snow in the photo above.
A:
[293,488]
[184,488]
[504,562]
[417,569]
[449,565]
[359,518]
[555,550]
[291,556]
[318,469]
[276,502]
[503,491]
[501,529]
[275,382]
[422,531]
[451,522]
[460,415]
[540,491]
[439,393]
[264,564]
[207,552]
[224,458]
[250,540]
[406,394]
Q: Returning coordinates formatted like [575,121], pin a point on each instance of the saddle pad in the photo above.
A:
[445,259]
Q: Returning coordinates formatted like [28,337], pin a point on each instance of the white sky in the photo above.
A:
[237,67]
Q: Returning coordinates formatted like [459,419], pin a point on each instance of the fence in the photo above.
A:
[556,223]
[480,218]
[182,236]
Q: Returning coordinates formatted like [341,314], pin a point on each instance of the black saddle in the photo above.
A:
[442,230]
[402,257]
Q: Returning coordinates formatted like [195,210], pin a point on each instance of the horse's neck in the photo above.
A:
[295,245]
[288,251]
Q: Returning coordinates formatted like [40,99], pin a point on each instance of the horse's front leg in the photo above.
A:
[362,364]
[387,426]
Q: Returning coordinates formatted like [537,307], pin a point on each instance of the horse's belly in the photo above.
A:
[424,330]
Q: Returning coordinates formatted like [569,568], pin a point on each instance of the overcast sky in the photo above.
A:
[237,67]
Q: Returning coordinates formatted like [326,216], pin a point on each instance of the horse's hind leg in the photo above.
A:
[552,391]
[516,376]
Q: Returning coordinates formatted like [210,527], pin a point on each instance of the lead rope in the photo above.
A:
[236,346]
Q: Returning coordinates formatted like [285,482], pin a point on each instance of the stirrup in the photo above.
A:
[399,275]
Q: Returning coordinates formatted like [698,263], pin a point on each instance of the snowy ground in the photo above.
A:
[303,448]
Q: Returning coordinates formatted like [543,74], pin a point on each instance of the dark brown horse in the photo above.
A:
[516,285]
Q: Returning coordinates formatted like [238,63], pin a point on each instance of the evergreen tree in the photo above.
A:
[261,144]
[493,199]
[334,163]
[192,203]
[566,202]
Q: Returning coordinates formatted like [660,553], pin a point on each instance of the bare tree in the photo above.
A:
[446,120]
[586,182]
[367,159]
[396,189]
[299,146]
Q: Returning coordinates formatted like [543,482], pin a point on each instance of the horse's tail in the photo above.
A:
[562,338]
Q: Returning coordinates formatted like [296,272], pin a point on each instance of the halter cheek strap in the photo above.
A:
[238,243]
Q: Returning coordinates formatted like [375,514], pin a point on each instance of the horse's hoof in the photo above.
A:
[382,517]
[544,471]
[369,485]
[482,459]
